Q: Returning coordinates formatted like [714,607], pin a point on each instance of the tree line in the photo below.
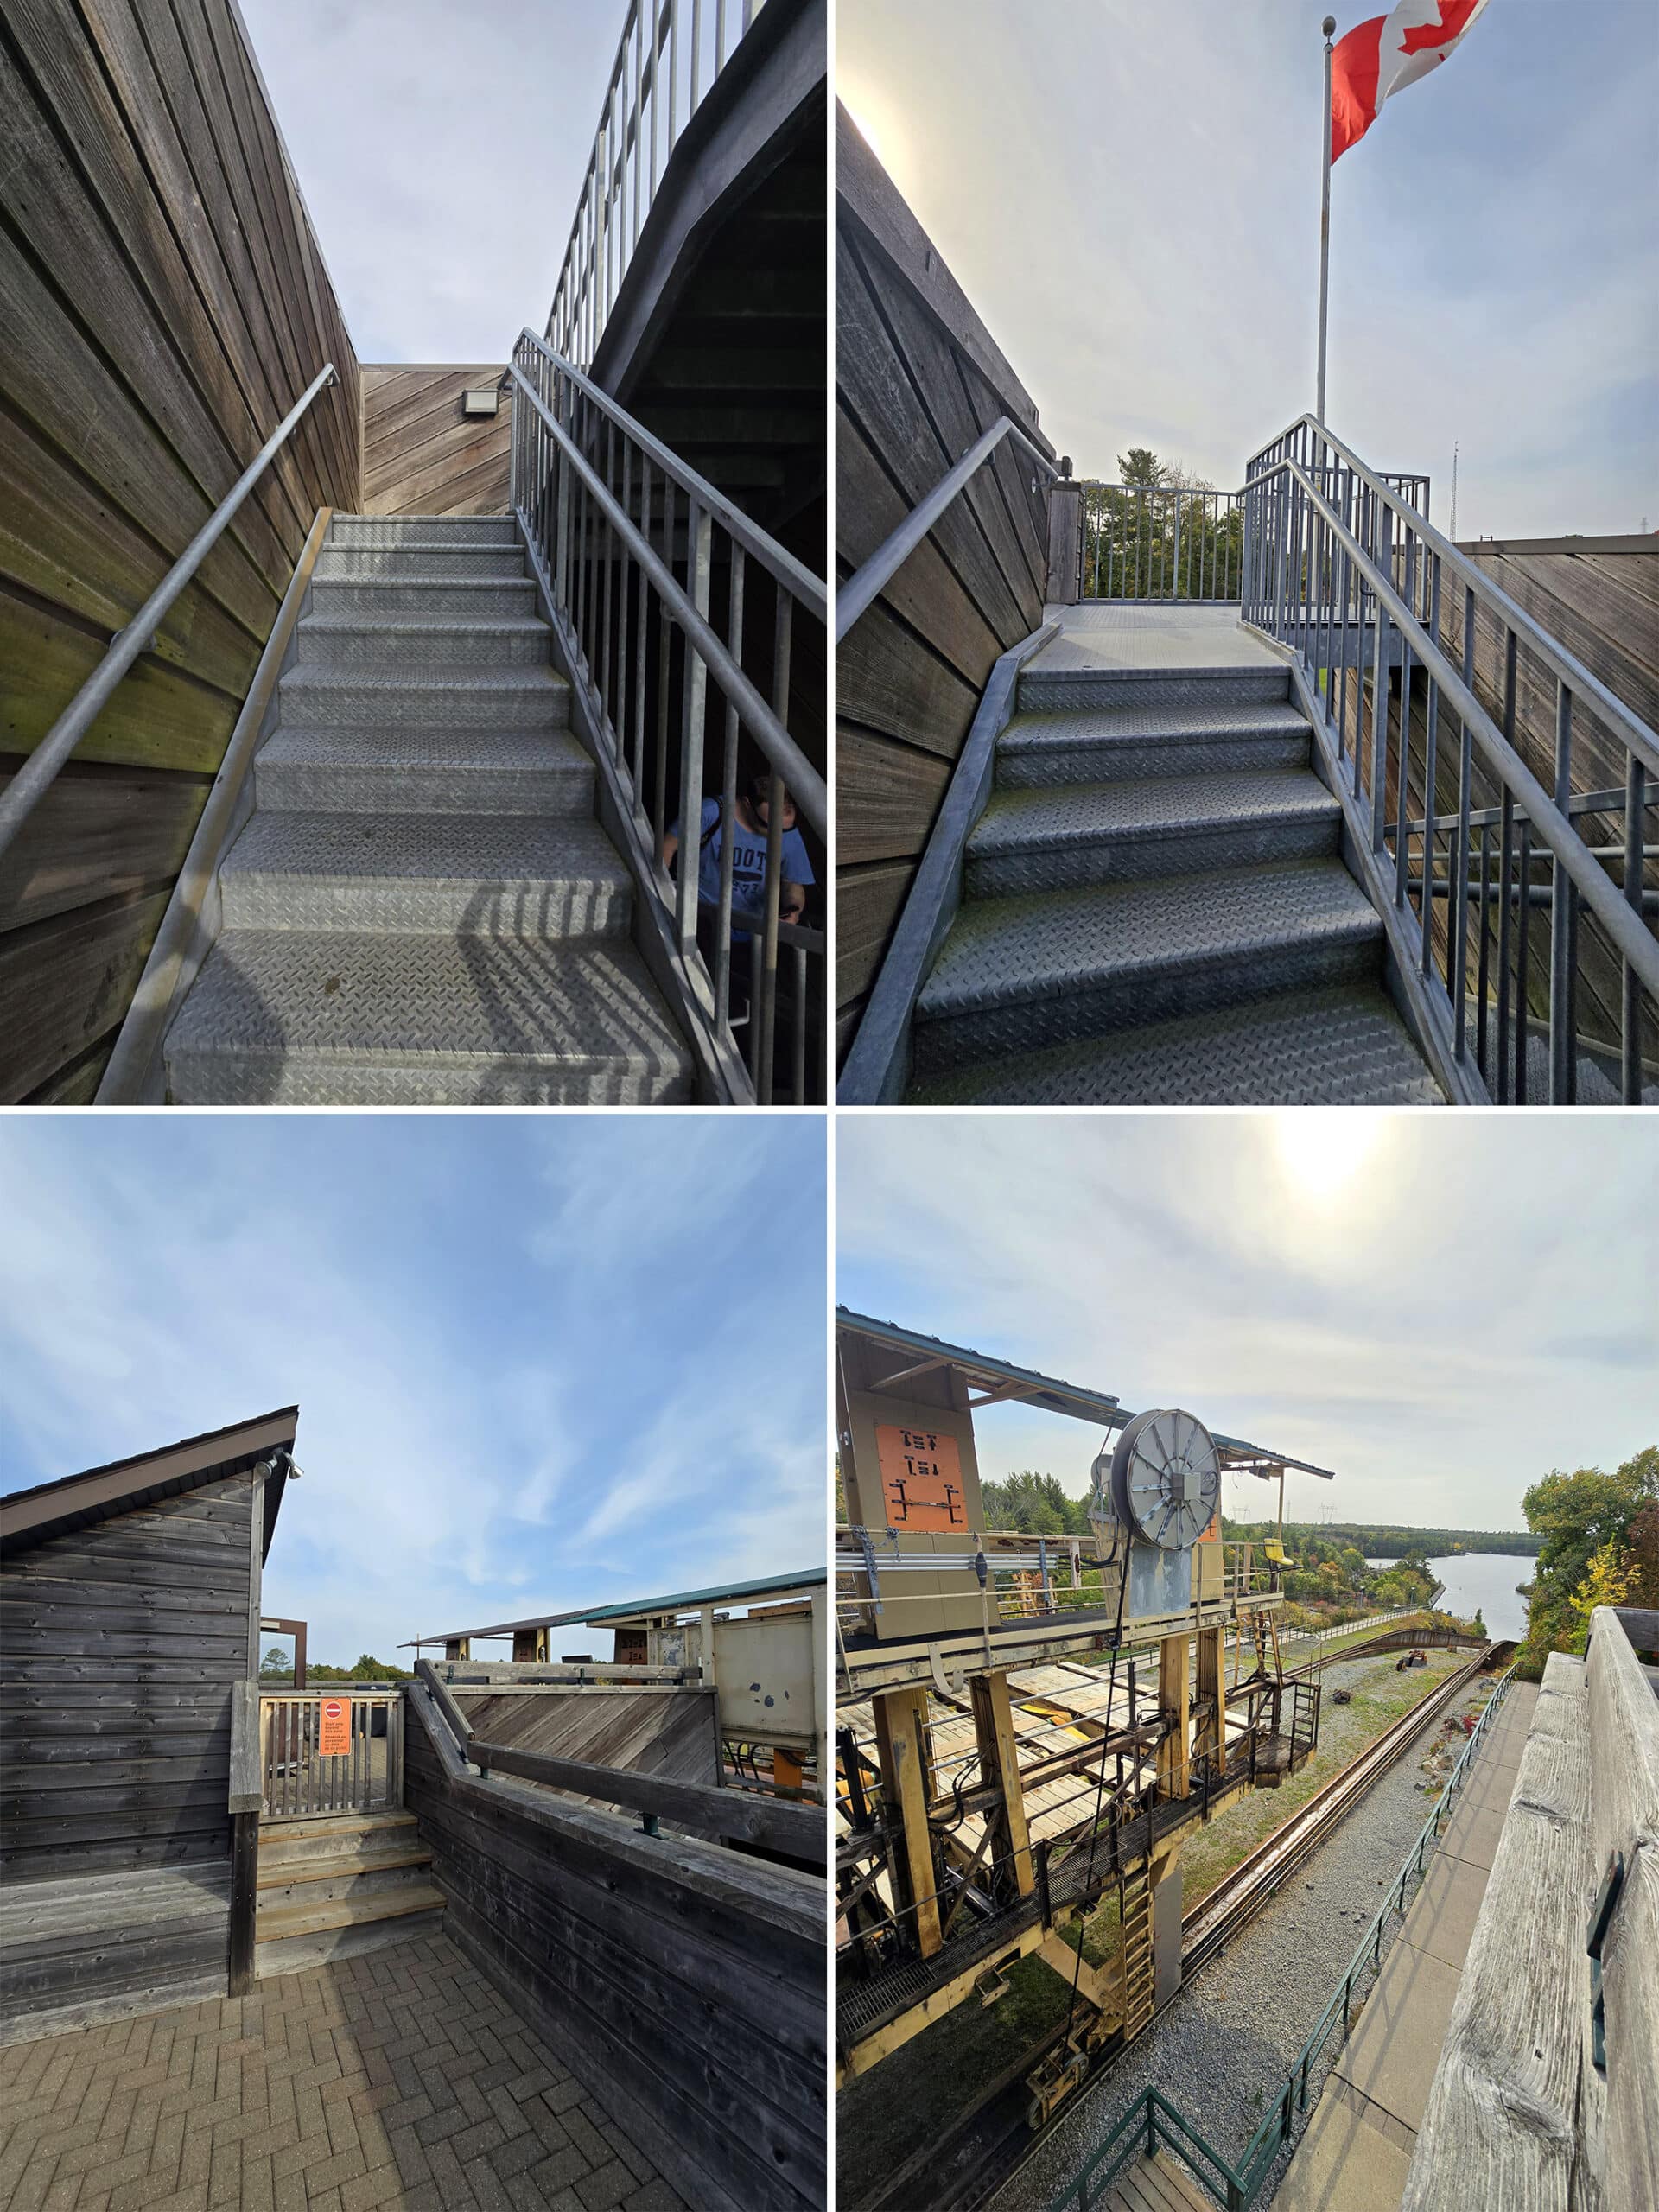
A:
[1598,1545]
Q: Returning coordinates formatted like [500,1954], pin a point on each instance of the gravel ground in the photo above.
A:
[1221,2051]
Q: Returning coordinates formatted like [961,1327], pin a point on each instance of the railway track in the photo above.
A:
[987,2146]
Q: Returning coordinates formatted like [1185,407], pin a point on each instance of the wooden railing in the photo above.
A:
[300,1780]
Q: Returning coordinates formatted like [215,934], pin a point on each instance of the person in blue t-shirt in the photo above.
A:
[752,823]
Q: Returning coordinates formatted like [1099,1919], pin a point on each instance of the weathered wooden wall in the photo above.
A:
[678,1975]
[421,455]
[165,302]
[119,1643]
[918,378]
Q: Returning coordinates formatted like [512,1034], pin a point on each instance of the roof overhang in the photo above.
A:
[644,1609]
[1000,1382]
[29,1517]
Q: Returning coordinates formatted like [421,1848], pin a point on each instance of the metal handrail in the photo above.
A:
[617,192]
[1341,571]
[33,780]
[1152,2118]
[592,488]
[856,595]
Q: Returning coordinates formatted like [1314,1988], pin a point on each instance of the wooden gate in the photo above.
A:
[303,1775]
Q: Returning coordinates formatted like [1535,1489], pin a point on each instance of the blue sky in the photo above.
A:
[1129,195]
[1438,1307]
[540,1361]
[440,149]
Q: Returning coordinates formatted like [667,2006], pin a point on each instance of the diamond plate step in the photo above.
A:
[423,771]
[477,875]
[1111,744]
[398,530]
[1106,833]
[426,557]
[303,1019]
[409,641]
[1016,976]
[414,589]
[1318,1048]
[1050,689]
[314,695]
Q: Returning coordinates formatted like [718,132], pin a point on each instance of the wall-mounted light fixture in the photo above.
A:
[484,401]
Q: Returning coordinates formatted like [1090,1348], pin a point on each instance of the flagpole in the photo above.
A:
[1329,26]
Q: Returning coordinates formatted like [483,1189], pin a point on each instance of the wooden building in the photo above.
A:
[129,1631]
[918,378]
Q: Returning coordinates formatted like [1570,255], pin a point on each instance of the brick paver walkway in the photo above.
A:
[400,2078]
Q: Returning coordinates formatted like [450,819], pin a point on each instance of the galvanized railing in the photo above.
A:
[1530,983]
[1160,541]
[299,1779]
[669,54]
[855,596]
[33,780]
[663,593]
[1152,2120]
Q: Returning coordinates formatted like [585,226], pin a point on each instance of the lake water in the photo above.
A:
[1484,1582]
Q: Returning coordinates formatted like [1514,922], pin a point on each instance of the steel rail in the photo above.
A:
[34,779]
[1239,1894]
[1337,1797]
[856,595]
[1593,884]
[805,786]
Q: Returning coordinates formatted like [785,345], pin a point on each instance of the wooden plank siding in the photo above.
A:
[166,302]
[680,1978]
[421,455]
[918,378]
[119,1644]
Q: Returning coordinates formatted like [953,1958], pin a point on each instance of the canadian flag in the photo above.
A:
[1385,55]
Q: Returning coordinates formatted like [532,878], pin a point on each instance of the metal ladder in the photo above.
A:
[1134,1924]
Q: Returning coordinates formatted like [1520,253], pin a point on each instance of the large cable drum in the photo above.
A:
[1165,1478]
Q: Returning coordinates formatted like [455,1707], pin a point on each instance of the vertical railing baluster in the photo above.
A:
[1505,925]
[1522,950]
[659,818]
[1482,965]
[640,642]
[697,57]
[1561,1042]
[1630,1022]
[1379,704]
[1402,792]
[728,811]
[1431,778]
[693,702]
[782,639]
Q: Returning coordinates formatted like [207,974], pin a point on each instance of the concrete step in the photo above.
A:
[491,876]
[290,1017]
[1046,839]
[1115,744]
[420,641]
[333,1882]
[337,1839]
[423,771]
[1094,690]
[317,696]
[1016,976]
[410,589]
[426,557]
[1344,1047]
[399,530]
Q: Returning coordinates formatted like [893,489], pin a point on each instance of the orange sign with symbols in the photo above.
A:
[334,1728]
[921,1478]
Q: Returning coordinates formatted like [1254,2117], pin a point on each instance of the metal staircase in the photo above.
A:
[1154,910]
[421,908]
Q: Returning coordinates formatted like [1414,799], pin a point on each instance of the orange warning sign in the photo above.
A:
[921,1478]
[334,1728]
